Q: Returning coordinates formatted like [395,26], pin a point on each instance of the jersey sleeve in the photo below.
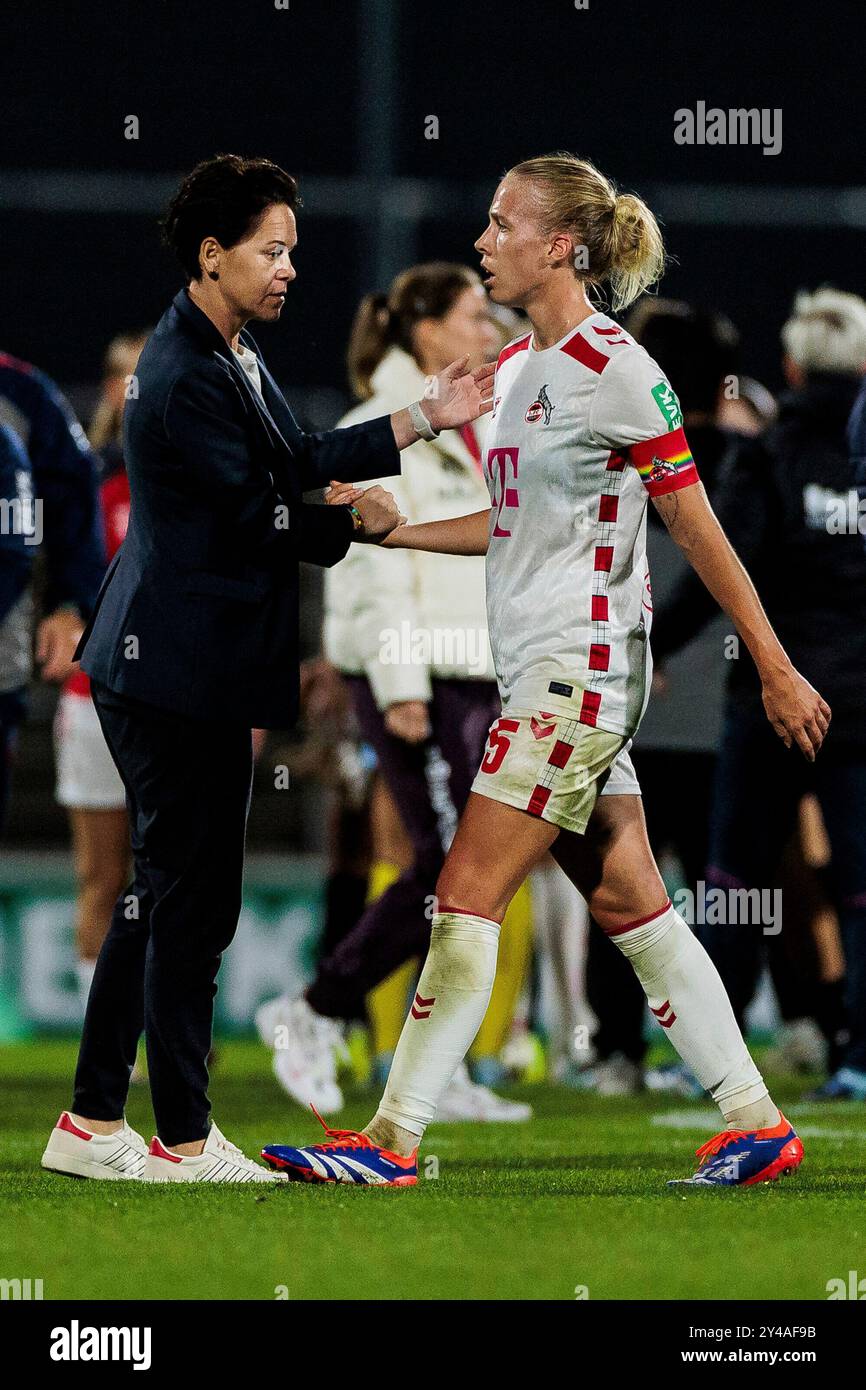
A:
[635,411]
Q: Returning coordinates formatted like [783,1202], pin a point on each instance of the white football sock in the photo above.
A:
[447,1011]
[686,995]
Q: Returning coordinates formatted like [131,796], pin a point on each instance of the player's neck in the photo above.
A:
[554,316]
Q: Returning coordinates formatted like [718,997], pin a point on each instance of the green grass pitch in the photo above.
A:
[570,1205]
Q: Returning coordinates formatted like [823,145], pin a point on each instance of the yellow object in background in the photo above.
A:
[388,1003]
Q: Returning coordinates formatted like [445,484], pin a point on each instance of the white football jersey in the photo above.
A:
[581,433]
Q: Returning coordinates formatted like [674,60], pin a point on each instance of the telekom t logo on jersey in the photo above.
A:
[499,461]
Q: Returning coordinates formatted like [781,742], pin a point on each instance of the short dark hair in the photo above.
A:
[223,197]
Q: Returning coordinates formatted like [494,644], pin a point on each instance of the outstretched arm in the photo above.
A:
[459,535]
[794,708]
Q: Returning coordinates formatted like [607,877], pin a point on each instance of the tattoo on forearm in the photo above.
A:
[668,508]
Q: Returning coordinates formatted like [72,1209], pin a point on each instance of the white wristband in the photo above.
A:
[420,423]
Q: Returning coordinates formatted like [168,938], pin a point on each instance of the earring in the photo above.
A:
[214,274]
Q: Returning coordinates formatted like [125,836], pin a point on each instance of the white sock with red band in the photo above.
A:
[686,995]
[447,1011]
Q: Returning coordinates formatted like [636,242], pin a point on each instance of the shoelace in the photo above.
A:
[342,1138]
[720,1141]
[223,1143]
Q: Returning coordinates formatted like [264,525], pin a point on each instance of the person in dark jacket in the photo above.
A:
[44,452]
[18,536]
[788,502]
[193,642]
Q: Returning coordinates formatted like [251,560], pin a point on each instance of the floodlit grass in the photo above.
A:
[575,1199]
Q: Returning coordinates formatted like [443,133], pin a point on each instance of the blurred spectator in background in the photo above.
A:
[88,783]
[18,536]
[674,751]
[63,486]
[747,407]
[409,632]
[785,501]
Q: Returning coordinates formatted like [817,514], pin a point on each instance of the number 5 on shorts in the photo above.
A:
[497,744]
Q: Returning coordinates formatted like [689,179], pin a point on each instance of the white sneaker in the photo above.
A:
[76,1151]
[306,1047]
[219,1161]
[270,1016]
[615,1076]
[800,1047]
[466,1100]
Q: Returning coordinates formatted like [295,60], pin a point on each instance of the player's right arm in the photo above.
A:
[460,535]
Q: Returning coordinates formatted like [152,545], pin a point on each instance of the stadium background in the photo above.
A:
[341,93]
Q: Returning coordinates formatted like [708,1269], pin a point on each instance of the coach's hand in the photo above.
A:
[379,513]
[456,396]
[408,720]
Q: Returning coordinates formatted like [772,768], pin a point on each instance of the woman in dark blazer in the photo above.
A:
[193,642]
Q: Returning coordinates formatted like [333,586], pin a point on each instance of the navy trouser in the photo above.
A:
[759,784]
[188,787]
[396,926]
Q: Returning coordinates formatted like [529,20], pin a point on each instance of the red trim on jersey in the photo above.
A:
[521,345]
[608,506]
[582,351]
[599,608]
[603,557]
[616,462]
[589,707]
[561,753]
[538,800]
[599,656]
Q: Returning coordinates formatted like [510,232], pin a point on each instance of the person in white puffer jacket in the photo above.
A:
[409,633]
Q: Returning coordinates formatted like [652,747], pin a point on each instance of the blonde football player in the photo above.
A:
[585,429]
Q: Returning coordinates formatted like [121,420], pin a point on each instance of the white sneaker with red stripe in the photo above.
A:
[76,1151]
[219,1161]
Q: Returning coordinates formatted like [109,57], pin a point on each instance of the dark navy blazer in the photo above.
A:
[198,612]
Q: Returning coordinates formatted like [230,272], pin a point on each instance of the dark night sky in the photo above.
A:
[505,79]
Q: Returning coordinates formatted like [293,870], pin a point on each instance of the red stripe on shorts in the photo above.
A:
[561,753]
[538,800]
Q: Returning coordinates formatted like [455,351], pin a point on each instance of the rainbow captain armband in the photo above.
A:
[665,463]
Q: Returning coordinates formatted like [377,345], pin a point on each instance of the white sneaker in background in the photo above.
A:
[306,1047]
[800,1047]
[219,1161]
[617,1075]
[466,1100]
[271,1015]
[81,1154]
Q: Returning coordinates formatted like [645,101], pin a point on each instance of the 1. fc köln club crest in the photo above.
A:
[541,406]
